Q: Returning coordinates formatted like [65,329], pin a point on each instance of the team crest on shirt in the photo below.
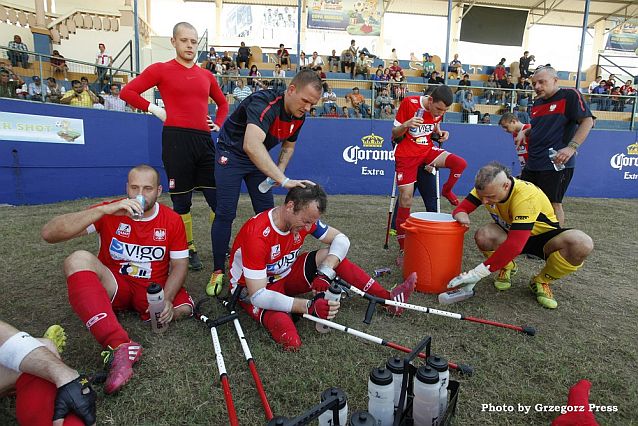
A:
[266,232]
[171,184]
[275,251]
[552,107]
[292,126]
[223,160]
[124,229]
[159,234]
[399,177]
[297,237]
[414,101]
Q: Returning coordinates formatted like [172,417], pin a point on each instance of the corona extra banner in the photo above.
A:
[357,17]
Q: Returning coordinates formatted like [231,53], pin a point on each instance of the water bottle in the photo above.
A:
[155,298]
[139,216]
[456,295]
[440,364]
[362,418]
[381,396]
[333,293]
[266,185]
[425,405]
[552,155]
[395,365]
[325,419]
[419,113]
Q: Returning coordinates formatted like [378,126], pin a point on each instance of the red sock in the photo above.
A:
[282,329]
[403,213]
[91,303]
[578,397]
[34,402]
[354,275]
[456,165]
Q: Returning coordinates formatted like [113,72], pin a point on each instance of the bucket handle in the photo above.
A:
[409,228]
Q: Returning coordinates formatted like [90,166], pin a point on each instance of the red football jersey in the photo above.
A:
[261,250]
[416,140]
[521,151]
[141,250]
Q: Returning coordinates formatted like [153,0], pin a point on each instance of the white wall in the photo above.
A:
[83,44]
[7,31]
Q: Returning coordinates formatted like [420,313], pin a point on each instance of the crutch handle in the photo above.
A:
[217,321]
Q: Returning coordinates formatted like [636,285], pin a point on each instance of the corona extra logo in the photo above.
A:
[632,149]
[372,141]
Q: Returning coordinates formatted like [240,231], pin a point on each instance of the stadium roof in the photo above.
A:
[548,12]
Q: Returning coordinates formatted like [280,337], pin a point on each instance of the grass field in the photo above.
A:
[588,336]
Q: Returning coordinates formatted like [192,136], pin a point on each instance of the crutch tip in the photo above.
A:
[530,331]
[465,369]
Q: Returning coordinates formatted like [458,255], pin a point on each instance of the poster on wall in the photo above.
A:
[257,23]
[41,128]
[356,17]
[624,37]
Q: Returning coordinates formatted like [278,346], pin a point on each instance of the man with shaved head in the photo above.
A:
[188,151]
[524,222]
[560,120]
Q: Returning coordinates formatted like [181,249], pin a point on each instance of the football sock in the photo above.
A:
[556,267]
[456,165]
[402,215]
[188,226]
[354,275]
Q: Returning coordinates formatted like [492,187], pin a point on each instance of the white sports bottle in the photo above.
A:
[266,185]
[362,418]
[425,405]
[333,293]
[155,298]
[395,365]
[440,364]
[325,419]
[381,396]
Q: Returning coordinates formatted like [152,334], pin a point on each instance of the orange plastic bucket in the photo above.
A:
[433,249]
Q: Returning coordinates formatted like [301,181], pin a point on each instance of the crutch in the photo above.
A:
[390,211]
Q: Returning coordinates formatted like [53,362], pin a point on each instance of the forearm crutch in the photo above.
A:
[390,211]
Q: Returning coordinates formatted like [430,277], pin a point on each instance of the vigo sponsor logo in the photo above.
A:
[95,318]
[620,160]
[134,252]
[282,264]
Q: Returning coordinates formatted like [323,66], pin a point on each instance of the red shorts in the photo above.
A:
[408,167]
[293,284]
[132,295]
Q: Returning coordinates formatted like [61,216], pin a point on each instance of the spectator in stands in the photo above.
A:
[380,80]
[428,66]
[316,61]
[243,55]
[611,82]
[283,57]
[435,79]
[58,64]
[112,101]
[80,96]
[358,102]
[361,67]
[455,66]
[328,99]
[229,77]
[523,91]
[333,62]
[22,92]
[602,100]
[594,84]
[500,72]
[347,60]
[303,61]
[521,114]
[628,90]
[18,52]
[332,113]
[254,78]
[616,100]
[219,67]
[397,83]
[103,60]
[353,49]
[486,119]
[210,66]
[54,91]
[387,113]
[469,107]
[242,91]
[395,69]
[460,91]
[345,112]
[393,55]
[212,54]
[227,60]
[322,76]
[278,75]
[100,103]
[9,83]
[507,91]
[313,112]
[383,100]
[36,91]
[523,64]
[490,93]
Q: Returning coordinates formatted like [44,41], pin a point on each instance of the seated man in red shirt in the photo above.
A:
[133,254]
[268,268]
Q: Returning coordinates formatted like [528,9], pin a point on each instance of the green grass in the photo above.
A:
[589,336]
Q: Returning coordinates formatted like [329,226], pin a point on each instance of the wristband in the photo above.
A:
[573,145]
[284,182]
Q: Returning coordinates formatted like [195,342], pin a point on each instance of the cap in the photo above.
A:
[36,78]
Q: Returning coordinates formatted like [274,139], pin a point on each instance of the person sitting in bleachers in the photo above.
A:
[283,57]
[55,91]
[333,62]
[616,100]
[243,55]
[278,75]
[17,52]
[361,67]
[313,112]
[112,101]
[80,96]
[523,64]
[227,60]
[316,61]
[594,84]
[602,99]
[241,91]
[347,61]
[469,107]
[384,99]
[230,75]
[628,90]
[254,78]
[387,113]
[490,93]
[358,102]
[506,91]
[36,91]
[455,65]
[332,113]
[328,99]
[9,83]
[380,79]
[500,72]
[523,91]
[460,91]
[58,64]
[428,66]
[435,79]
[303,61]
[486,119]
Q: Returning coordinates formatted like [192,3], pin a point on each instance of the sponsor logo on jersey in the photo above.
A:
[275,251]
[124,229]
[159,234]
[135,252]
[552,107]
[283,264]
[266,232]
[136,270]
[171,184]
[521,218]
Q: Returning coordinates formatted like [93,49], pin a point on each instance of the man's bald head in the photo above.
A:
[183,25]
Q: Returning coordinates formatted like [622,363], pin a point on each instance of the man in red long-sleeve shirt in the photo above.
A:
[524,223]
[188,151]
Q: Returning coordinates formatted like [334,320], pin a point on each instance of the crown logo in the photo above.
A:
[632,149]
[372,141]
